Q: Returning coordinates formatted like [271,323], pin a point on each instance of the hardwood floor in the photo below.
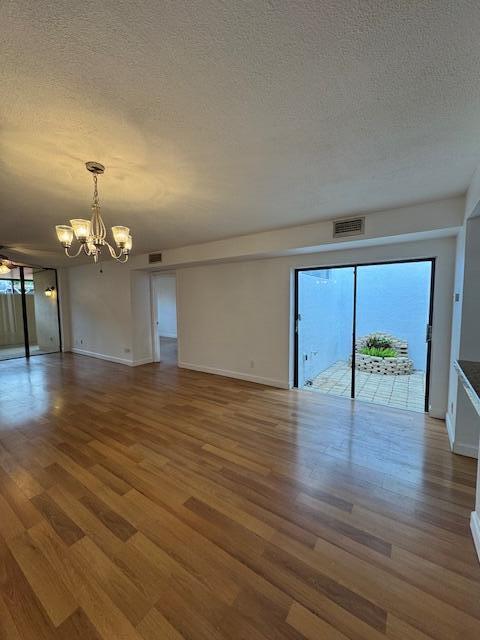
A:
[159,503]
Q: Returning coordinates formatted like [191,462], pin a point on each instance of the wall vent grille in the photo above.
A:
[154,257]
[348,227]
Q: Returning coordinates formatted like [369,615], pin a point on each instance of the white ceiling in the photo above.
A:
[219,118]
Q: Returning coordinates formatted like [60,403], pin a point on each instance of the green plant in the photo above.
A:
[378,342]
[379,352]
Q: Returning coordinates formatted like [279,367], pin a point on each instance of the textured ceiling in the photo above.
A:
[218,118]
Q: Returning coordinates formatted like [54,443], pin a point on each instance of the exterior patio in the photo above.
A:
[401,391]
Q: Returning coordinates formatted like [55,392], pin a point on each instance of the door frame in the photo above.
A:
[355,266]
[154,277]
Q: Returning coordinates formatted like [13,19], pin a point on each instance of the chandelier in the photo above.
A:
[91,234]
[5,265]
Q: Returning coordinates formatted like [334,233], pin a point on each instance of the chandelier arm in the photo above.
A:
[121,257]
[112,251]
[75,255]
[104,228]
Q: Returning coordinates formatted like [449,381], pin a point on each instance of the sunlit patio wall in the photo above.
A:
[325,303]
[394,299]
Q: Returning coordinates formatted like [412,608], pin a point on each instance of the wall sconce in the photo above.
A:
[49,291]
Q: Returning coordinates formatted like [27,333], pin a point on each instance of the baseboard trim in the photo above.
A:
[450,433]
[108,358]
[168,335]
[438,415]
[469,450]
[269,382]
[475,529]
[137,363]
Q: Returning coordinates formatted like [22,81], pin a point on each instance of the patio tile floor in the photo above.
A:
[404,392]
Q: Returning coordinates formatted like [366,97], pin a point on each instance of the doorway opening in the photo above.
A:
[164,295]
[364,331]
[29,312]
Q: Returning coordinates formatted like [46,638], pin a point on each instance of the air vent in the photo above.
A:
[154,257]
[348,227]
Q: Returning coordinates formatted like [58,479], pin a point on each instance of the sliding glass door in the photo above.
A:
[393,319]
[325,323]
[29,319]
[364,332]
[12,339]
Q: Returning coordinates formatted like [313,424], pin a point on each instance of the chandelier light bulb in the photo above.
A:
[120,235]
[6,265]
[64,234]
[81,229]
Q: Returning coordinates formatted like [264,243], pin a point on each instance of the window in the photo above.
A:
[14,286]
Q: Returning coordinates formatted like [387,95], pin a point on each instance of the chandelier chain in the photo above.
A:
[98,227]
[95,189]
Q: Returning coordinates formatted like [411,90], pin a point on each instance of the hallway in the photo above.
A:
[168,350]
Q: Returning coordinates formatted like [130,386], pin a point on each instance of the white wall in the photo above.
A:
[110,312]
[235,319]
[467,419]
[415,222]
[166,299]
[470,336]
[456,325]
[141,317]
[462,422]
[467,422]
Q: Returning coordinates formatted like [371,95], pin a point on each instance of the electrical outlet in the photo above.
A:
[127,350]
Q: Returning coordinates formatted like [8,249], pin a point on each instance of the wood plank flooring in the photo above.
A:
[156,503]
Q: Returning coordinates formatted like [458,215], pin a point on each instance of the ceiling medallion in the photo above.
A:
[91,234]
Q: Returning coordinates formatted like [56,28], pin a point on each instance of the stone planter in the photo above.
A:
[401,365]
[385,366]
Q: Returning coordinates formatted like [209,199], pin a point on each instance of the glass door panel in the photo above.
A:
[42,311]
[325,309]
[11,316]
[393,310]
